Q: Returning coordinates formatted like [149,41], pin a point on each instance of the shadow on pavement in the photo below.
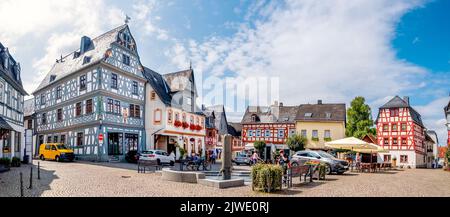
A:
[10,181]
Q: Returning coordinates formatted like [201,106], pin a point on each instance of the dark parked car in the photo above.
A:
[333,164]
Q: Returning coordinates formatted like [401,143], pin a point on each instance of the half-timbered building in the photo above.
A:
[11,106]
[212,133]
[217,135]
[235,130]
[272,124]
[93,98]
[401,131]
[172,119]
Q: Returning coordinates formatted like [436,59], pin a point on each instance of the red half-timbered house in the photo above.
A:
[271,124]
[401,131]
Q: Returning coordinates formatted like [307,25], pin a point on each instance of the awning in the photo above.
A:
[4,125]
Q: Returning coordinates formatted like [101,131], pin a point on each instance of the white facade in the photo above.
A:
[161,130]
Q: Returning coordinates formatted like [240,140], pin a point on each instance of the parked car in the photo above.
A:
[55,151]
[332,164]
[337,165]
[242,159]
[160,156]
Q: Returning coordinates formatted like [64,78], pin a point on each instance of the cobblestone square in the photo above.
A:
[82,179]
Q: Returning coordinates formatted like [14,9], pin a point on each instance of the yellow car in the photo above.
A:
[55,151]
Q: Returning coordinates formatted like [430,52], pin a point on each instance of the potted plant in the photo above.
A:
[5,162]
[15,162]
[185,125]
[394,162]
[267,177]
[192,127]
[178,124]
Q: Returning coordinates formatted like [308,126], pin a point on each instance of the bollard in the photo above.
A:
[39,170]
[21,185]
[31,178]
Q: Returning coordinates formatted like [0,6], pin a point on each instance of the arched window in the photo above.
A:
[177,116]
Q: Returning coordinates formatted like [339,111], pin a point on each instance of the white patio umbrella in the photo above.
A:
[350,143]
[378,149]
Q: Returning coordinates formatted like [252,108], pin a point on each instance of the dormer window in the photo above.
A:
[52,78]
[308,115]
[254,117]
[328,115]
[86,60]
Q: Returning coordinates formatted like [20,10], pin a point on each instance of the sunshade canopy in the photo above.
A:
[378,150]
[350,143]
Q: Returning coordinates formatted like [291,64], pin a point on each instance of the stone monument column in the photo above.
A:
[226,157]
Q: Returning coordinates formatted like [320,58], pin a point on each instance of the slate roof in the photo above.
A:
[235,129]
[219,113]
[395,102]
[10,74]
[398,102]
[160,85]
[69,64]
[163,90]
[28,107]
[270,114]
[180,81]
[318,112]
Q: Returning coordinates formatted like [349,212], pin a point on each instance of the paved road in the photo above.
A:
[92,179]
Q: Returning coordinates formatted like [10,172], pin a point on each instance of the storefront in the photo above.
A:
[172,142]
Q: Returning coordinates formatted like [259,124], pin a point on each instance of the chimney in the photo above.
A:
[319,102]
[203,107]
[85,44]
[281,104]
[275,103]
[406,99]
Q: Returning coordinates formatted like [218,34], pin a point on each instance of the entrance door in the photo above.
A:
[132,143]
[115,144]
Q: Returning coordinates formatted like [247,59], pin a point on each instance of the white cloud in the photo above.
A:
[330,50]
[434,117]
[333,50]
[143,13]
[55,26]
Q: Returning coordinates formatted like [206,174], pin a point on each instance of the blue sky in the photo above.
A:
[330,50]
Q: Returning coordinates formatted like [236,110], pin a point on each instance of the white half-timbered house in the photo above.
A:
[172,119]
[95,92]
[401,131]
[11,106]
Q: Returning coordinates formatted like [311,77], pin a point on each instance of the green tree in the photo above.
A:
[359,119]
[296,142]
[260,146]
